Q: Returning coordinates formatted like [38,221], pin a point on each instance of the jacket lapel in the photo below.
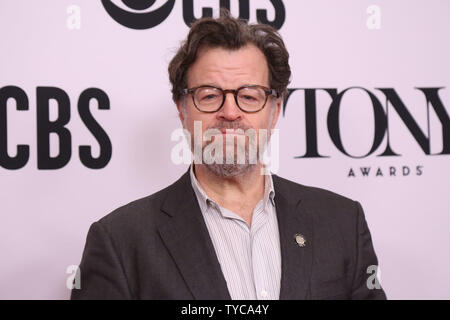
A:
[296,261]
[186,236]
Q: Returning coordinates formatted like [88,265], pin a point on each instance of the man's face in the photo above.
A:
[229,69]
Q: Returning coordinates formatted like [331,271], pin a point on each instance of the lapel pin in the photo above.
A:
[300,240]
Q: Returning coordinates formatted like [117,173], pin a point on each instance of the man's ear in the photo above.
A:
[276,112]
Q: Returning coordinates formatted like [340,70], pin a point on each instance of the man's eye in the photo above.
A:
[249,98]
[209,97]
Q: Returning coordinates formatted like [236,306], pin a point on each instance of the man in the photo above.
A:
[224,230]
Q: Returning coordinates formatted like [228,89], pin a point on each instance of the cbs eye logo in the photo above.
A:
[138,20]
[149,19]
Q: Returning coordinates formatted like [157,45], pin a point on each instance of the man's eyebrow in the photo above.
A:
[209,84]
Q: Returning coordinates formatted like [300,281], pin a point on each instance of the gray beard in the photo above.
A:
[229,170]
[236,168]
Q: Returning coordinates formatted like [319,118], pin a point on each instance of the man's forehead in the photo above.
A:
[249,50]
[248,61]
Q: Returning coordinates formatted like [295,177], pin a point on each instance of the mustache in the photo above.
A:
[221,125]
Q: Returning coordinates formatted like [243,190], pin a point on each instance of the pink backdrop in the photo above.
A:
[45,214]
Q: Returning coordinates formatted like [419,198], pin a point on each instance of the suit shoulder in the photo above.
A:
[136,211]
[325,203]
[310,192]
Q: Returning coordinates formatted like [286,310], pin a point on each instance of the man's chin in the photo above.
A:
[230,170]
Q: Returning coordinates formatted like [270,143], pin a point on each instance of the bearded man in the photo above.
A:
[228,229]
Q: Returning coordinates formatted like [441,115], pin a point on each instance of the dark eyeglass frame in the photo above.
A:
[267,91]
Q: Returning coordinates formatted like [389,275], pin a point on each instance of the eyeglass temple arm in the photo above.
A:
[273,92]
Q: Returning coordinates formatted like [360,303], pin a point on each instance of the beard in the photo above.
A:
[234,167]
[229,170]
[240,157]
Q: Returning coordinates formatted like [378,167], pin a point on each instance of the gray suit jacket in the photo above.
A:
[159,247]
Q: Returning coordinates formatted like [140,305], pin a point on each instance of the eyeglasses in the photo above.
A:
[251,98]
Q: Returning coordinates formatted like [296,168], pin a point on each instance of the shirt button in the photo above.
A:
[264,294]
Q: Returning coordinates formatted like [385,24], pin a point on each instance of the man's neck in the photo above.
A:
[239,194]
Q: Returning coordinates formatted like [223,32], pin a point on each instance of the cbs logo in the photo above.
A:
[47,125]
[140,18]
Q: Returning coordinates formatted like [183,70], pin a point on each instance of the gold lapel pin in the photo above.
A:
[300,240]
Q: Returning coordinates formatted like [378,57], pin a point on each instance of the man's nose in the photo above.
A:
[229,111]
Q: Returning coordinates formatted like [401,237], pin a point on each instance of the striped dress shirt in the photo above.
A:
[249,257]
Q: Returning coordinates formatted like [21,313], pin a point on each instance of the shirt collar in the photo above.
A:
[204,200]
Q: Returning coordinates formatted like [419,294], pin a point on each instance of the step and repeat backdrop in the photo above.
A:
[86,124]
